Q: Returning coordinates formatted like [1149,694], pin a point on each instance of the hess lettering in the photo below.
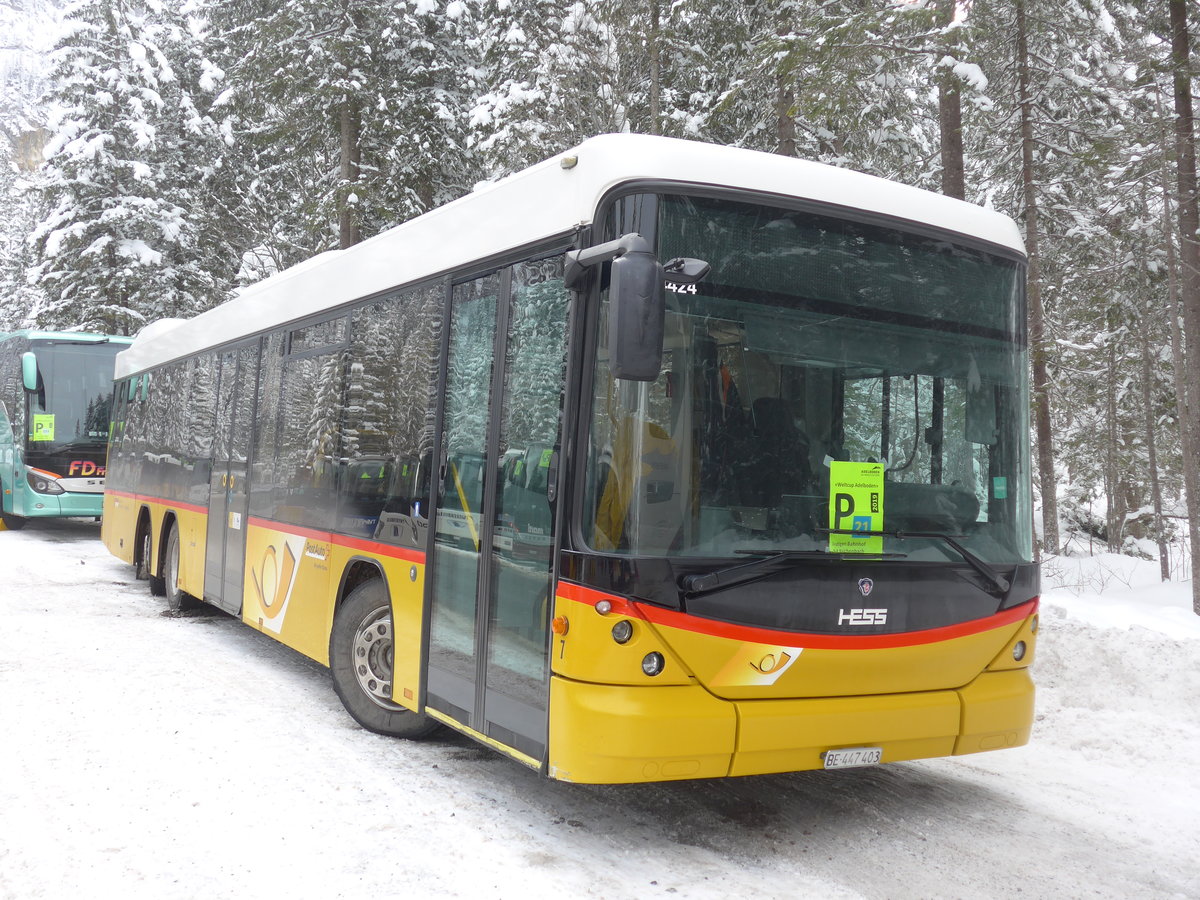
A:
[862,617]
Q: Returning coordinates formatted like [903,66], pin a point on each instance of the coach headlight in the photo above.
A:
[44,483]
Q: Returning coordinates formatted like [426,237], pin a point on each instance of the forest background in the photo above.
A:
[159,154]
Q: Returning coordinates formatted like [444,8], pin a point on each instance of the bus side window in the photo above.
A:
[310,440]
[390,392]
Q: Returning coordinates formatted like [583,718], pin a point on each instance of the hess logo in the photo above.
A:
[862,617]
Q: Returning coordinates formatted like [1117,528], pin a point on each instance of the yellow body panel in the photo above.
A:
[117,525]
[193,542]
[738,670]
[612,734]
[587,652]
[286,588]
[789,735]
[768,707]
[997,712]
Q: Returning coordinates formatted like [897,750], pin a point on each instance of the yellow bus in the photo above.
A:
[658,460]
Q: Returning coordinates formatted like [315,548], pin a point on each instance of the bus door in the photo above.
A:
[228,498]
[492,556]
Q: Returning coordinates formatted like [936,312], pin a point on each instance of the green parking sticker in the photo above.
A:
[43,427]
[855,506]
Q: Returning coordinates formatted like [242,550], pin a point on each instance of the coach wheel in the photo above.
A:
[13,523]
[361,656]
[176,598]
[158,583]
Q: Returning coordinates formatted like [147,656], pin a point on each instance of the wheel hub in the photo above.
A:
[374,656]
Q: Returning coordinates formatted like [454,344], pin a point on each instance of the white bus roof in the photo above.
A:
[538,203]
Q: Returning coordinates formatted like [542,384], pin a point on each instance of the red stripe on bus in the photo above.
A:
[146,498]
[341,540]
[412,556]
[749,633]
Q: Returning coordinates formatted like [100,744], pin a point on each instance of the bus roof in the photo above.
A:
[541,202]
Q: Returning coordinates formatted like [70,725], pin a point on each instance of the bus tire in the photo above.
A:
[361,654]
[143,570]
[13,523]
[141,565]
[177,599]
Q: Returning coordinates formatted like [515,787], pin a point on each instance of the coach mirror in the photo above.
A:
[29,372]
[636,300]
[636,310]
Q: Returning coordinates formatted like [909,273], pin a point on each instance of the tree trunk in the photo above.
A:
[1037,313]
[1173,312]
[1160,532]
[954,179]
[1115,514]
[349,233]
[785,119]
[654,38]
[1189,259]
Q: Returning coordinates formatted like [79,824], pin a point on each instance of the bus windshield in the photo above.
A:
[815,342]
[71,407]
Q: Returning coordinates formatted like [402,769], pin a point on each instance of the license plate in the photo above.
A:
[853,756]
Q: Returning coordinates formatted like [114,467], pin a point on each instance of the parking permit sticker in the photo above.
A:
[855,505]
[43,427]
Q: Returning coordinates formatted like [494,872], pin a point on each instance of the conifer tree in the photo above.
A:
[117,247]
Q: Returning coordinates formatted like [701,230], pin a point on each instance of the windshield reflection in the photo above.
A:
[814,342]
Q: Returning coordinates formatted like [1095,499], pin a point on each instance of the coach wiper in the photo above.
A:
[997,581]
[772,562]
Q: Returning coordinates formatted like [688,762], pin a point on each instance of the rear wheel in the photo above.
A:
[361,658]
[177,599]
[143,567]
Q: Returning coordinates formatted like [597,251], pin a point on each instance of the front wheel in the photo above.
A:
[13,523]
[361,656]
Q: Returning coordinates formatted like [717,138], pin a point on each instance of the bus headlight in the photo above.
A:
[653,663]
[622,631]
[44,484]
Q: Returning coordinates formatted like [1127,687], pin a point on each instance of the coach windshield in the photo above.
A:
[828,375]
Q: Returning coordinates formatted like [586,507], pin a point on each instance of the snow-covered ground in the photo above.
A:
[155,757]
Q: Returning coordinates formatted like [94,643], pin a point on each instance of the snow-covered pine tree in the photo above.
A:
[117,246]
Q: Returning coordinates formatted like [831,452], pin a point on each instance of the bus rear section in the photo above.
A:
[55,402]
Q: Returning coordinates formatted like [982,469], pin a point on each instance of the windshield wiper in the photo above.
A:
[998,581]
[739,574]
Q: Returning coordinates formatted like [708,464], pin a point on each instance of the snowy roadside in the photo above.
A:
[182,757]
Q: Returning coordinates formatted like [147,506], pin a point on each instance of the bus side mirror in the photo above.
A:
[636,304]
[636,311]
[29,372]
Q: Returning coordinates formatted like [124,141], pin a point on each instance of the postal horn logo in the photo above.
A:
[865,586]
